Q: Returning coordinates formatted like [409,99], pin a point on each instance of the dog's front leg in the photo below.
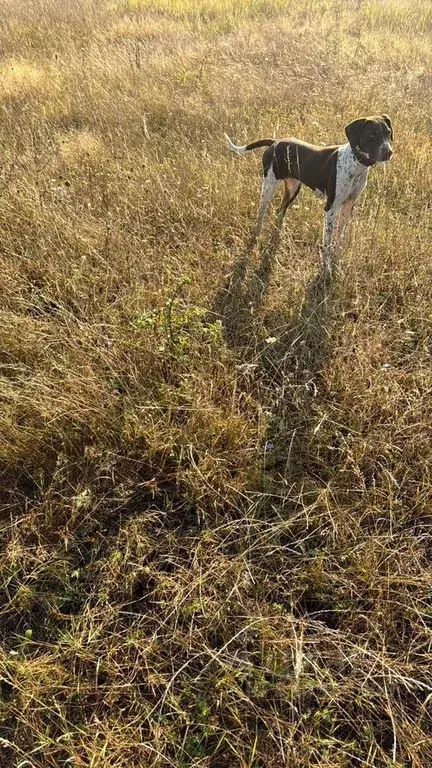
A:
[343,221]
[329,229]
[344,218]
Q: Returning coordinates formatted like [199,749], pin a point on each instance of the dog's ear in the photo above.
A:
[353,130]
[389,123]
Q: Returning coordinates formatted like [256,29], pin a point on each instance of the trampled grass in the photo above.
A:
[215,466]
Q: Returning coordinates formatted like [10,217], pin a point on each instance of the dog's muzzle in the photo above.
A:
[386,152]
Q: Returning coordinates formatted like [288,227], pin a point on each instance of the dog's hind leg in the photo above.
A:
[269,187]
[292,188]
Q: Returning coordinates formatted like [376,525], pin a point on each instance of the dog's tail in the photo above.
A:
[247,147]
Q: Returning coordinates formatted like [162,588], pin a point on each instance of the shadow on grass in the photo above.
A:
[239,301]
[287,372]
[308,343]
[305,345]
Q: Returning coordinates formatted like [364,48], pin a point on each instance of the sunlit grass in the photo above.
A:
[215,476]
[21,78]
[210,8]
[408,18]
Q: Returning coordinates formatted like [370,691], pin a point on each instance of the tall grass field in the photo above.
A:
[215,460]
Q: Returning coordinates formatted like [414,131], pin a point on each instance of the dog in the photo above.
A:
[338,173]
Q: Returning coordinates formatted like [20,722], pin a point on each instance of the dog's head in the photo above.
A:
[370,138]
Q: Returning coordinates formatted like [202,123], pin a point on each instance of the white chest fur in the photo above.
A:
[351,176]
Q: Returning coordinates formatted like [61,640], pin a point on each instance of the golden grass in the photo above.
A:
[215,465]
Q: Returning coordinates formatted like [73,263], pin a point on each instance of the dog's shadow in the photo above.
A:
[240,299]
[308,343]
[303,348]
[287,369]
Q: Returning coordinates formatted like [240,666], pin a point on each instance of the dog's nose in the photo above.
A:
[388,153]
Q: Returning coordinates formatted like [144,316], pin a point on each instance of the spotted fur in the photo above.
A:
[337,173]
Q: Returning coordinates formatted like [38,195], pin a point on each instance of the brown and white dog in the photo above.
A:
[338,173]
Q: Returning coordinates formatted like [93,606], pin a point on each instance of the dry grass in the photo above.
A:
[215,466]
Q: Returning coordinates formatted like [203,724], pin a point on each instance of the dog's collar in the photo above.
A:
[362,157]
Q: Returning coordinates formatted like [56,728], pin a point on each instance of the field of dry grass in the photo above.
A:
[215,465]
